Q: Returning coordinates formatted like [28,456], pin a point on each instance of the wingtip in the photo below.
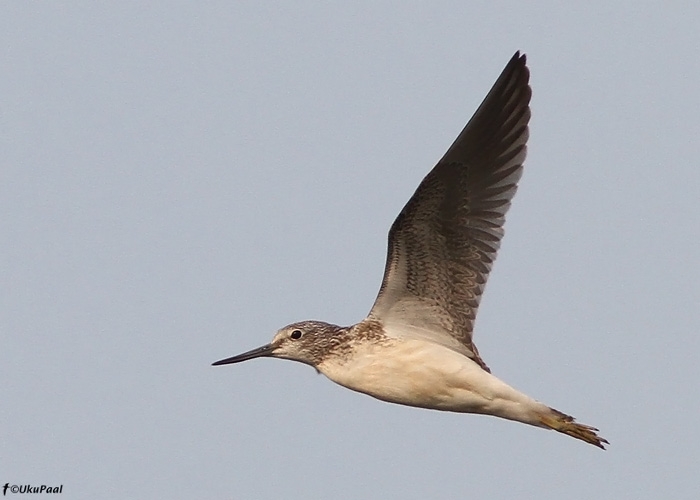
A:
[519,56]
[519,63]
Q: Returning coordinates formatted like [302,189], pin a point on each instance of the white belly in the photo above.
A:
[427,375]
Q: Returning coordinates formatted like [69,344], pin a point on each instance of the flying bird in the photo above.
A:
[415,347]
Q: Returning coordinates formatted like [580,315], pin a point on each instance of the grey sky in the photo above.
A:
[179,181]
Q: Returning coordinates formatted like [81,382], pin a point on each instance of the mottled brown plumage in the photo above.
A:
[443,243]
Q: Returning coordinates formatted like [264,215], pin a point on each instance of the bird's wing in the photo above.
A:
[443,243]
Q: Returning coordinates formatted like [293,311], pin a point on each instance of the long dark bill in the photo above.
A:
[260,352]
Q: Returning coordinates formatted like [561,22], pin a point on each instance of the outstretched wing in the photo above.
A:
[443,243]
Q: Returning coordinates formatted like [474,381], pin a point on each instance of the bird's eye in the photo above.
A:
[296,334]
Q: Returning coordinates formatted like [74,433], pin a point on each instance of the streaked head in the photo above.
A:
[307,342]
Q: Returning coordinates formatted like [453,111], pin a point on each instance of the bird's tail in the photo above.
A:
[561,422]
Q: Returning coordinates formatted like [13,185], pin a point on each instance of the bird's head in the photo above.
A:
[307,342]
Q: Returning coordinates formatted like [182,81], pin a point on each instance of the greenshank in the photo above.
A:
[415,347]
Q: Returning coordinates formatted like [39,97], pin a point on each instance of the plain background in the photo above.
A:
[179,180]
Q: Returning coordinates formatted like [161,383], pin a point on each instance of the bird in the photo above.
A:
[415,347]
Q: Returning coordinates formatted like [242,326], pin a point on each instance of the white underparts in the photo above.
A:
[427,375]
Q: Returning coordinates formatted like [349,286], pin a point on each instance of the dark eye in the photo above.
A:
[296,334]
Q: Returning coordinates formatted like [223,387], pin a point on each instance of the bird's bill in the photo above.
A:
[260,352]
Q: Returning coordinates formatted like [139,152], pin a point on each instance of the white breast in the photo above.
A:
[415,373]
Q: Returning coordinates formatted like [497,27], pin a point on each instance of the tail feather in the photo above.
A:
[566,424]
